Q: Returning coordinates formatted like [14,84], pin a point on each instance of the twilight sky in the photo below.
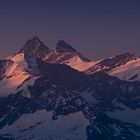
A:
[97,28]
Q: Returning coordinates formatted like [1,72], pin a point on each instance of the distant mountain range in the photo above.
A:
[61,95]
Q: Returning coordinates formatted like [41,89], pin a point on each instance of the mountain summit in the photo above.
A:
[62,46]
[35,47]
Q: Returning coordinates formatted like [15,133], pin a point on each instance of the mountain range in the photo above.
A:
[59,94]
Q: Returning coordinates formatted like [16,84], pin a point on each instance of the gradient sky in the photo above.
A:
[97,28]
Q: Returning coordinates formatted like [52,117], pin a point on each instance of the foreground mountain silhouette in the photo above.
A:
[59,95]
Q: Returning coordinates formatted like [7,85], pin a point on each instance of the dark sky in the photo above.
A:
[97,28]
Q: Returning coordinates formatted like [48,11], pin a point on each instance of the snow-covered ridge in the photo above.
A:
[15,75]
[129,71]
[73,61]
[111,63]
[124,66]
[79,64]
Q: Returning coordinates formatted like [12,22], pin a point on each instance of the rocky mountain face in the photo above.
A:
[35,47]
[62,46]
[43,97]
